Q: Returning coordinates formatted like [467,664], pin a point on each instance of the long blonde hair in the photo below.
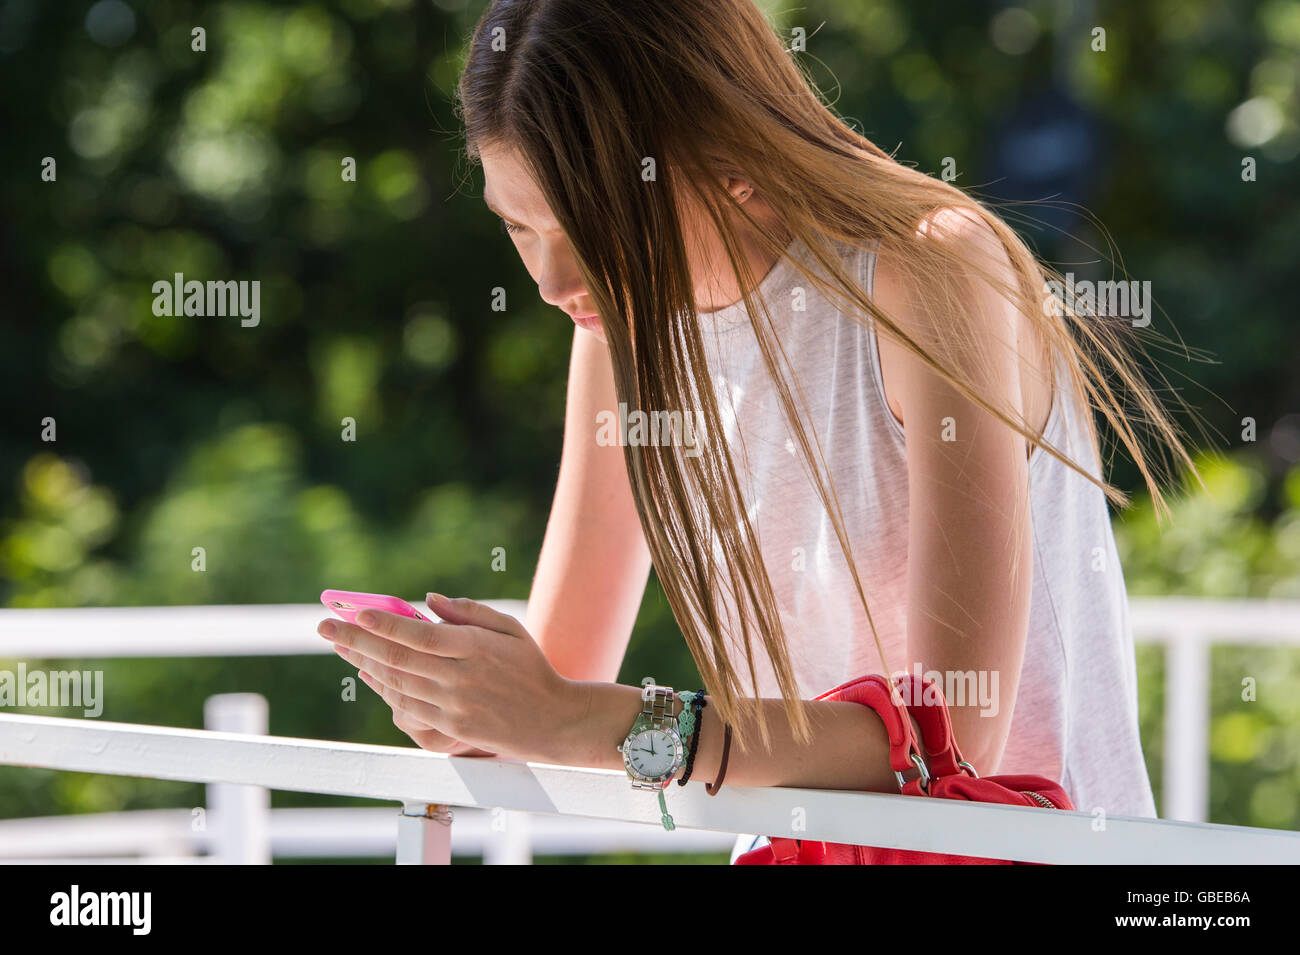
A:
[594,92]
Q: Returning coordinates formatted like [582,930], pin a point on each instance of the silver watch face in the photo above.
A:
[652,752]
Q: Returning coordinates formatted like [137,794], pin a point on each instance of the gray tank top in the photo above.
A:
[1075,718]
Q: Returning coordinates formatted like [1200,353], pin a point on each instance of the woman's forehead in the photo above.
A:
[509,189]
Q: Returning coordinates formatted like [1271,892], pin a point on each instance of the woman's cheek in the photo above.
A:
[531,261]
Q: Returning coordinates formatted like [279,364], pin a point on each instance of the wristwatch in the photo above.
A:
[653,751]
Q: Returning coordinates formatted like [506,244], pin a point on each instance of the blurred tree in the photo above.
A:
[236,163]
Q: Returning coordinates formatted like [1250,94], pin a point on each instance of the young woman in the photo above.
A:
[895,462]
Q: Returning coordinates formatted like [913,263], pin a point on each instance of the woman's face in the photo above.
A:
[511,194]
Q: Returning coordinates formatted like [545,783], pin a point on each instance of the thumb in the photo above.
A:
[462,610]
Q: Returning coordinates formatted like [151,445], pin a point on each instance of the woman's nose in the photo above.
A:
[560,281]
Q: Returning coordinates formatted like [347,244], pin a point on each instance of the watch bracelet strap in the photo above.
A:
[658,710]
[658,707]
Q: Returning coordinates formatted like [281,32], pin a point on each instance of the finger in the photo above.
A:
[411,684]
[369,647]
[421,710]
[471,613]
[423,735]
[444,640]
[408,723]
[389,652]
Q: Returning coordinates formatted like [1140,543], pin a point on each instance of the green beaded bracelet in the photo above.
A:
[689,725]
[686,721]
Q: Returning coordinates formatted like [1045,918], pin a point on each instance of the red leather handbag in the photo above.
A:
[944,775]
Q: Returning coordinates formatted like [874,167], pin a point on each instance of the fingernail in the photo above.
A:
[366,619]
[437,598]
[326,629]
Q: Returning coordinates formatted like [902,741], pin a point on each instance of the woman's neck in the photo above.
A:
[757,256]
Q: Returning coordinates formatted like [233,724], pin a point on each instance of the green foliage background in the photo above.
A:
[375,305]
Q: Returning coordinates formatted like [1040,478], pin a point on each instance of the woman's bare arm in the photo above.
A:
[592,571]
[966,610]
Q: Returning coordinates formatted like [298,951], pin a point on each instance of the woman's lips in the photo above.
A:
[590,322]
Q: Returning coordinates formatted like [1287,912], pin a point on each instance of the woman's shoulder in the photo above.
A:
[905,298]
[960,233]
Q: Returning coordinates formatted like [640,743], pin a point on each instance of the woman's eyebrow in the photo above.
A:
[487,201]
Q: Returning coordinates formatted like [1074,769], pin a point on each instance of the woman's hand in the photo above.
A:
[475,684]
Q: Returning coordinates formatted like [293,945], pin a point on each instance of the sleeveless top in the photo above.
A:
[1075,718]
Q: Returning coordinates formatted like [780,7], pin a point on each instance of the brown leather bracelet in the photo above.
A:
[712,788]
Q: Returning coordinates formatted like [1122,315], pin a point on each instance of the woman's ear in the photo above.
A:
[740,189]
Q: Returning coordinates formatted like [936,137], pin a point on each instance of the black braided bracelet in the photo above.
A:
[698,702]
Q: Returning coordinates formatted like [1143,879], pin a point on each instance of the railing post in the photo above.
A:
[424,834]
[508,841]
[1187,728]
[239,816]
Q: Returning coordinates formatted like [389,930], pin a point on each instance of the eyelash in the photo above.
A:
[510,228]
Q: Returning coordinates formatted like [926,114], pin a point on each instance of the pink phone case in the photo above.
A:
[347,604]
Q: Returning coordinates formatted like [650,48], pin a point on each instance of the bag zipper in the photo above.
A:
[1040,799]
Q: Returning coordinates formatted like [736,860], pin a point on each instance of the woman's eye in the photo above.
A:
[510,228]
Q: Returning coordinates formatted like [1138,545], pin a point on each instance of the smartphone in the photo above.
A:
[347,604]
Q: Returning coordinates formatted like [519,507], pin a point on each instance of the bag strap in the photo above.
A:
[924,701]
[905,752]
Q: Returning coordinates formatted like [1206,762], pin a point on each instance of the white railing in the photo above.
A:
[427,783]
[1186,627]
[497,836]
[238,825]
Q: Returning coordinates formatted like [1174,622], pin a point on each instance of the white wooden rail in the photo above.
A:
[424,781]
[499,837]
[1188,627]
[225,630]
